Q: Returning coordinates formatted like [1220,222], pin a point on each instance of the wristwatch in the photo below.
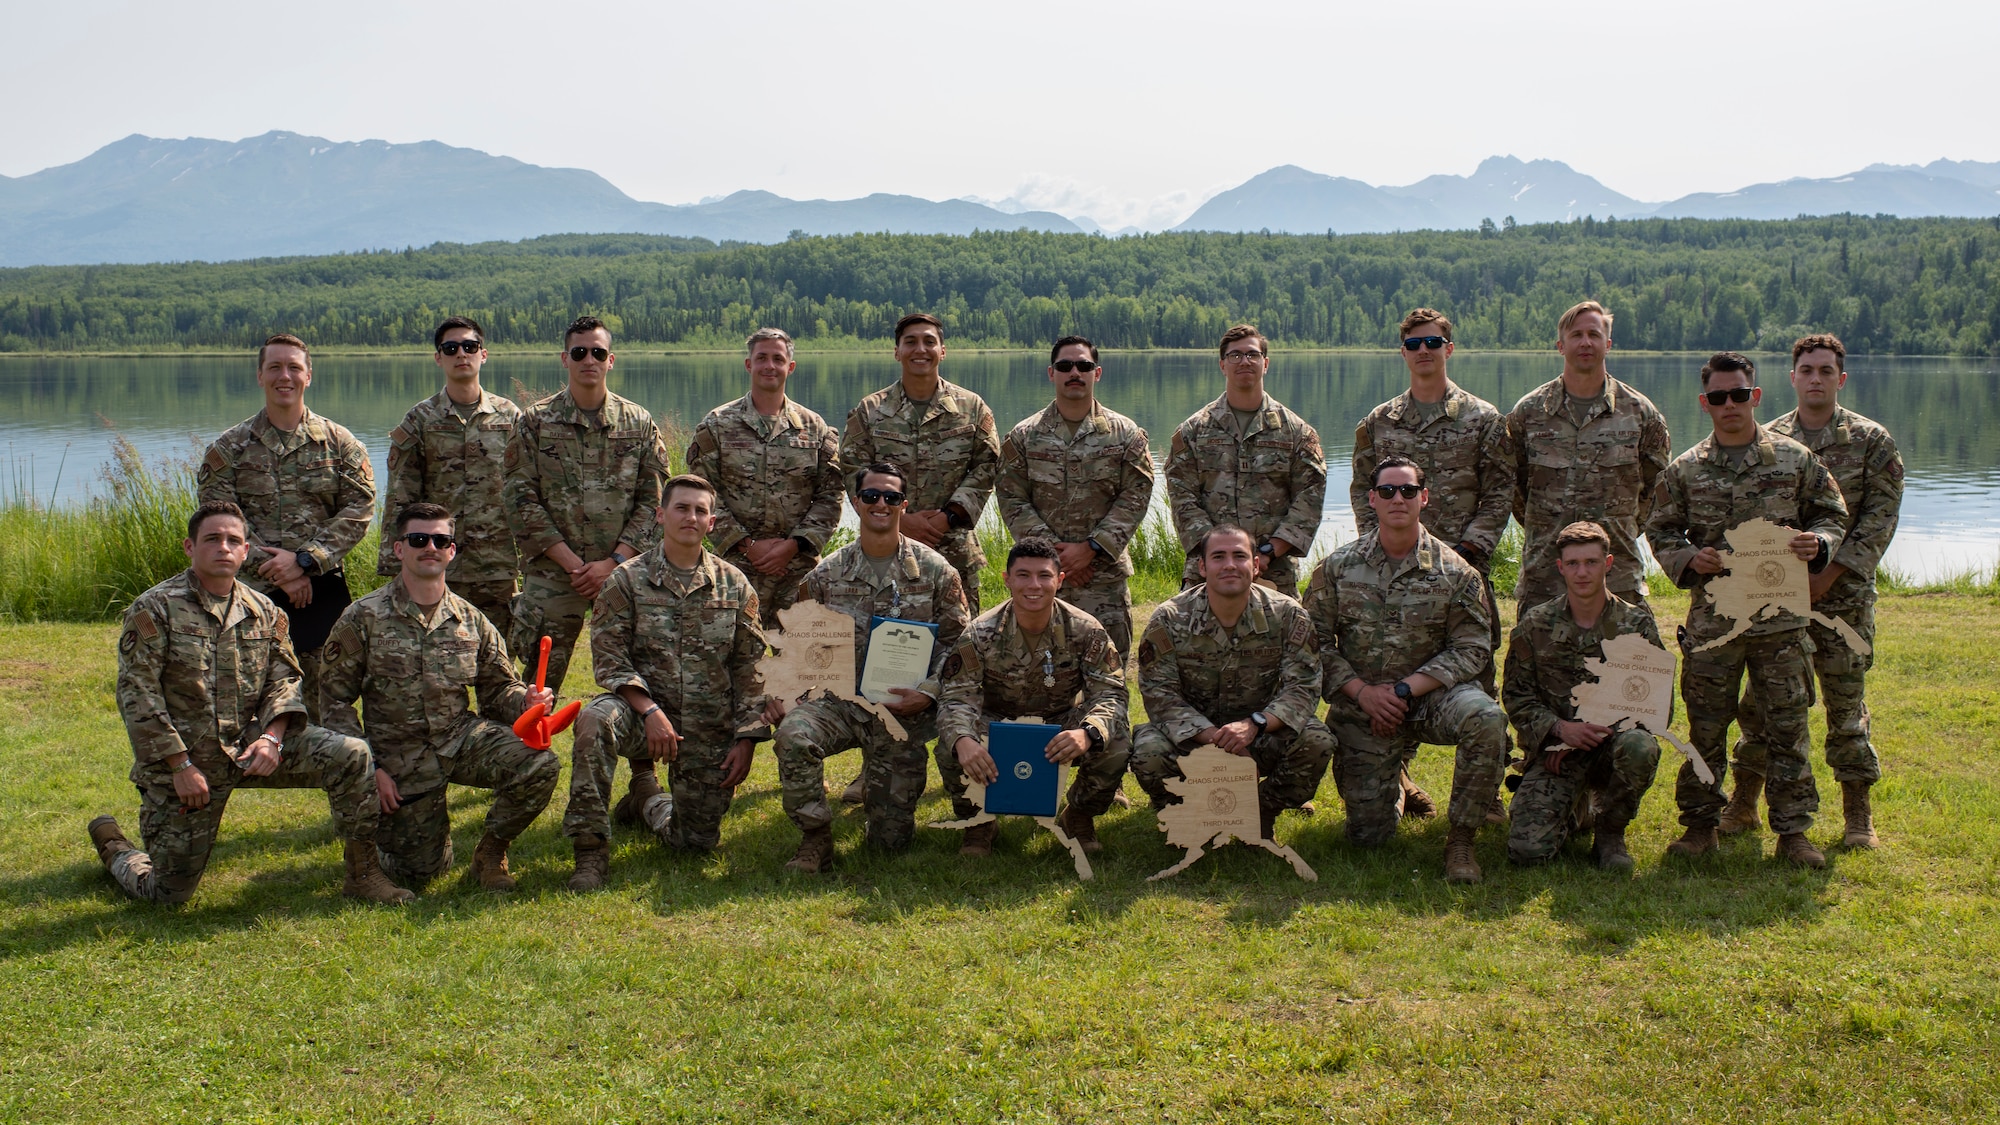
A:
[1265,548]
[1095,737]
[187,763]
[1402,691]
[1262,720]
[307,563]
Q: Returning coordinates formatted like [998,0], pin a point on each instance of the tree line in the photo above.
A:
[1886,285]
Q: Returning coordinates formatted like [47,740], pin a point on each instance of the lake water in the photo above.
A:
[56,414]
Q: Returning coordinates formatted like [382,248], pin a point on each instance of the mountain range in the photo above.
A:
[145,199]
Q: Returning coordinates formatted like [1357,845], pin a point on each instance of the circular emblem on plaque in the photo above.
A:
[1221,801]
[1635,689]
[820,657]
[1024,770]
[1770,574]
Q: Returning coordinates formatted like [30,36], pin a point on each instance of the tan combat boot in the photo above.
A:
[1081,828]
[1860,815]
[1741,813]
[1694,842]
[1459,864]
[593,862]
[1795,847]
[1608,847]
[365,880]
[644,787]
[979,839]
[489,864]
[1496,810]
[815,852]
[1417,804]
[108,840]
[856,792]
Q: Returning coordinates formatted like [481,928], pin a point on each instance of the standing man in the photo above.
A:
[674,641]
[1586,447]
[883,573]
[775,467]
[1233,664]
[209,691]
[1036,655]
[1742,471]
[1572,763]
[943,437]
[451,450]
[1081,475]
[308,491]
[583,482]
[1863,460]
[409,652]
[1403,636]
[1247,461]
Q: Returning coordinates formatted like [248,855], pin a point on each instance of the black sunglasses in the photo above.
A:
[1431,342]
[442,539]
[577,353]
[1737,394]
[453,347]
[1389,491]
[880,496]
[1068,365]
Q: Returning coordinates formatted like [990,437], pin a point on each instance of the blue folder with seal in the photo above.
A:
[1029,784]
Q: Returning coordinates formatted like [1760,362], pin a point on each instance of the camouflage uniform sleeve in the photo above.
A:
[820,520]
[954,614]
[1518,501]
[1183,472]
[639,522]
[527,512]
[612,625]
[1876,511]
[1357,485]
[1667,530]
[1520,691]
[1322,603]
[857,444]
[704,459]
[962,704]
[1821,507]
[343,669]
[1106,700]
[1496,486]
[1656,452]
[1301,522]
[502,694]
[976,487]
[142,700]
[405,485]
[215,479]
[746,679]
[1297,701]
[1160,684]
[349,525]
[1468,634]
[284,683]
[1015,493]
[1135,498]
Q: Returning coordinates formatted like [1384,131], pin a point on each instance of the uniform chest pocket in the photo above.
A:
[396,665]
[191,646]
[456,663]
[1271,456]
[718,625]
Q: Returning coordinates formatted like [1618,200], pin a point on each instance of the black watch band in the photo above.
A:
[307,563]
[1402,690]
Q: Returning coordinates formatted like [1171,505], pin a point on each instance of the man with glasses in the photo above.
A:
[1247,461]
[883,573]
[1586,447]
[1080,474]
[1403,637]
[409,653]
[1865,464]
[1742,471]
[451,450]
[307,489]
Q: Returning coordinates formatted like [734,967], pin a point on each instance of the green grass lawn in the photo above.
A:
[924,987]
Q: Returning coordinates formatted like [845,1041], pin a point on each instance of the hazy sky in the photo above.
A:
[1129,112]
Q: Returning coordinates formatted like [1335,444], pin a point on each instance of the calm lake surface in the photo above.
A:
[56,415]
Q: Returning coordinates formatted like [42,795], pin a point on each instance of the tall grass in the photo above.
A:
[87,563]
[1157,560]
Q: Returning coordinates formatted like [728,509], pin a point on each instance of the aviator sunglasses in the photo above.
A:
[577,353]
[1068,365]
[1389,491]
[453,347]
[880,496]
[443,540]
[1736,394]
[1431,342]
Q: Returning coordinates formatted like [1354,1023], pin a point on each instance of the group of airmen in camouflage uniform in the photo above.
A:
[510,525]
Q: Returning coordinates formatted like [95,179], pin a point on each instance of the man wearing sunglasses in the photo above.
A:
[1586,447]
[1742,471]
[1865,464]
[409,653]
[1080,474]
[1403,637]
[307,488]
[451,450]
[1246,460]
[583,481]
[883,573]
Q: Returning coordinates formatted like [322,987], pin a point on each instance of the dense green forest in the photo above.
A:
[1910,286]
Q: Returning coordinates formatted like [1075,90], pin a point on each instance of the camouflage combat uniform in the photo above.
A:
[1091,487]
[1195,673]
[207,675]
[311,491]
[691,640]
[411,678]
[1863,460]
[775,478]
[592,483]
[921,585]
[1545,659]
[1379,620]
[1602,470]
[1702,495]
[998,673]
[1271,482]
[438,456]
[950,450]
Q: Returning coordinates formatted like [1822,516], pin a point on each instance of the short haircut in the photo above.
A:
[1034,547]
[212,509]
[1582,533]
[1729,361]
[422,510]
[451,322]
[918,318]
[284,340]
[582,324]
[686,480]
[778,334]
[1425,316]
[1201,548]
[1817,340]
[1577,310]
[1243,332]
[881,469]
[1395,461]
[1067,341]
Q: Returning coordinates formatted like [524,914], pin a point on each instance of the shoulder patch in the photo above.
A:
[399,436]
[613,599]
[1099,646]
[215,462]
[333,651]
[1301,635]
[144,625]
[953,665]
[1179,445]
[1364,438]
[129,641]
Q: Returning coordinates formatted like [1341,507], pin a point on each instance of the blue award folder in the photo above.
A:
[1029,784]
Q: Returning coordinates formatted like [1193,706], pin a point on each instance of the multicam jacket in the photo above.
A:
[437,456]
[311,490]
[590,484]
[998,672]
[692,645]
[1380,619]
[1865,464]
[948,446]
[1271,482]
[776,478]
[1194,673]
[1467,458]
[920,586]
[1545,659]
[1095,487]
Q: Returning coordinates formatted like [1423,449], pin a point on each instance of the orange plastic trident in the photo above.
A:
[532,727]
